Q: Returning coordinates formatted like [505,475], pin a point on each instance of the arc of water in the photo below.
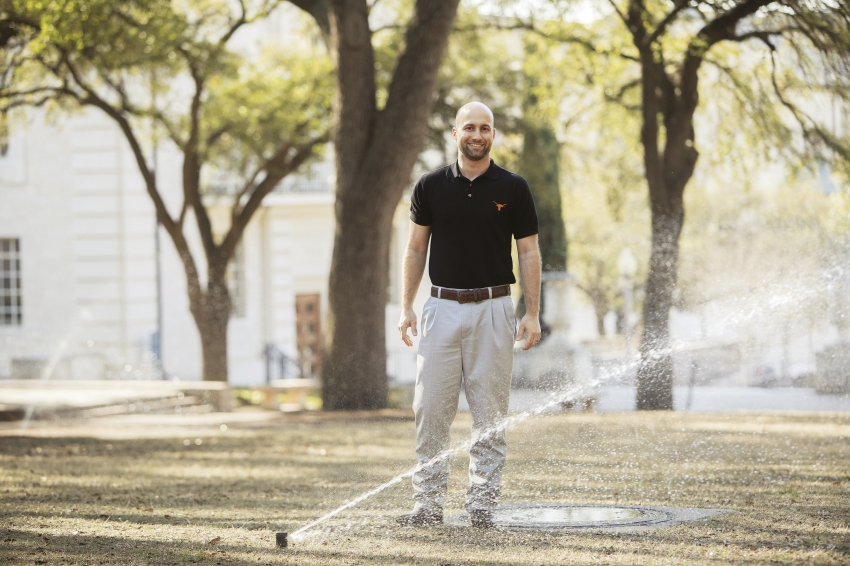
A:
[555,400]
[46,373]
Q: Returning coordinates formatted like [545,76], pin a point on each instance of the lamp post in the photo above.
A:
[627,267]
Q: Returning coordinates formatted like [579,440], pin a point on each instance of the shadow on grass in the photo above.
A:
[790,499]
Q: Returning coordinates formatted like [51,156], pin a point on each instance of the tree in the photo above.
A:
[668,43]
[670,60]
[157,65]
[378,135]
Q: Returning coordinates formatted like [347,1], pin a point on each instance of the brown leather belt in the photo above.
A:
[471,295]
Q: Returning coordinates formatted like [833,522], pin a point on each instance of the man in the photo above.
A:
[469,211]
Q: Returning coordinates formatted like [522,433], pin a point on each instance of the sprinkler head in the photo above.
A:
[280,540]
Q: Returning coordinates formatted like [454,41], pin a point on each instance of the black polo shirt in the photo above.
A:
[472,223]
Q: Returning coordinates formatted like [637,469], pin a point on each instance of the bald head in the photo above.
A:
[474,110]
[474,133]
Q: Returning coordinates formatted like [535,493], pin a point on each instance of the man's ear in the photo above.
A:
[454,133]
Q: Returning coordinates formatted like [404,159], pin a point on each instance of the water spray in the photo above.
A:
[556,399]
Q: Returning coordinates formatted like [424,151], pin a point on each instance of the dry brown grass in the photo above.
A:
[128,491]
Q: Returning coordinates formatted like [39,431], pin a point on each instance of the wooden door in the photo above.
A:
[308,336]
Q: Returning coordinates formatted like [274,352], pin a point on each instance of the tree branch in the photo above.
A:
[32,91]
[215,135]
[723,26]
[173,133]
[410,94]
[621,92]
[320,10]
[619,13]
[668,19]
[241,21]
[529,26]
[809,126]
[763,35]
[269,164]
[635,23]
[280,165]
[192,168]
[388,27]
[173,229]
[720,28]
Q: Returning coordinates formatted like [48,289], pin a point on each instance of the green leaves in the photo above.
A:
[277,99]
[169,63]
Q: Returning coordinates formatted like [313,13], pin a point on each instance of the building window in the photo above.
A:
[235,277]
[10,282]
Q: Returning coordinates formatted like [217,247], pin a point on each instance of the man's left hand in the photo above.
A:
[530,324]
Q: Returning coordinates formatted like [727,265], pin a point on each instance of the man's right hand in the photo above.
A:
[408,320]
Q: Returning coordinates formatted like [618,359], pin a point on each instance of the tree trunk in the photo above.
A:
[375,154]
[354,372]
[600,319]
[211,311]
[655,373]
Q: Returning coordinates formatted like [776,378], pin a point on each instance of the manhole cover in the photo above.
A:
[560,516]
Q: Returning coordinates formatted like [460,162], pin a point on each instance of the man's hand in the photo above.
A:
[530,324]
[529,272]
[408,320]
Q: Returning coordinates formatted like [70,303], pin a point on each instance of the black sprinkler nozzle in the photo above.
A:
[280,539]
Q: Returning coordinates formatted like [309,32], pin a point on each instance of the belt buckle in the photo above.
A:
[474,296]
[465,297]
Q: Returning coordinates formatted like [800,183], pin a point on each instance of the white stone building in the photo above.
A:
[80,269]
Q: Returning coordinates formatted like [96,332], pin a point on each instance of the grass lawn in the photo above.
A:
[172,489]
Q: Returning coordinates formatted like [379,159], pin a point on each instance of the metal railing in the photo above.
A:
[279,365]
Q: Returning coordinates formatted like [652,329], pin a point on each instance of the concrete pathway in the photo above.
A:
[702,399]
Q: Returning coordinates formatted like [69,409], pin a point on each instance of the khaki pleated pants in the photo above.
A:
[468,345]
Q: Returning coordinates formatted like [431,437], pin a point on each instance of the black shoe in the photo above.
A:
[481,518]
[421,518]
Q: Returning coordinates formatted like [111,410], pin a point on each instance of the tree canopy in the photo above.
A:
[164,69]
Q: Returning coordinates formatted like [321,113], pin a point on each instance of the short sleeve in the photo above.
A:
[420,211]
[525,221]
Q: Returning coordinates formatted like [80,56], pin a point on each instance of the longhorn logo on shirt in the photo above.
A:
[499,206]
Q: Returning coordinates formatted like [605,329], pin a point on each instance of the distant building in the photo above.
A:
[80,298]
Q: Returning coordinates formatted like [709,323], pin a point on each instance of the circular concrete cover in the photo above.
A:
[562,515]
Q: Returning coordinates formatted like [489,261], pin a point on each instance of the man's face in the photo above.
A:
[474,134]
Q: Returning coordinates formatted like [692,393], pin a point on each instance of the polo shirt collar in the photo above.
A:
[491,173]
